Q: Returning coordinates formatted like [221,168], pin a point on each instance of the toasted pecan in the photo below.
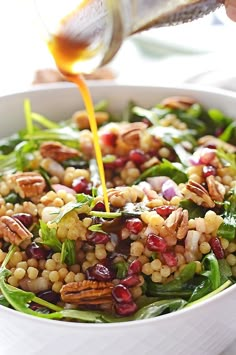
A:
[130,132]
[28,184]
[13,231]
[87,292]
[57,151]
[82,121]
[215,188]
[176,225]
[198,194]
[178,102]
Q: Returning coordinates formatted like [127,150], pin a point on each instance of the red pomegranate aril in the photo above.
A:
[99,272]
[125,309]
[121,294]
[135,267]
[98,238]
[137,156]
[165,211]
[80,184]
[156,243]
[120,162]
[25,218]
[109,139]
[99,207]
[217,248]
[170,259]
[134,225]
[208,170]
[130,281]
[37,252]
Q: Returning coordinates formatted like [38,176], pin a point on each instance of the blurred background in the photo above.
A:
[201,52]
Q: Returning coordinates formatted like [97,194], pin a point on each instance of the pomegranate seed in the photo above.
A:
[134,225]
[109,139]
[156,243]
[110,165]
[126,309]
[135,267]
[121,294]
[208,170]
[98,238]
[165,211]
[137,156]
[99,272]
[121,161]
[170,259]
[49,296]
[130,281]
[217,248]
[37,252]
[99,207]
[25,218]
[207,155]
[80,184]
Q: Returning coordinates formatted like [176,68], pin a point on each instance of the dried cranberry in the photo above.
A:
[109,139]
[99,207]
[37,252]
[130,281]
[134,225]
[170,259]
[208,170]
[156,243]
[137,156]
[25,218]
[135,267]
[165,211]
[217,248]
[80,184]
[121,294]
[49,296]
[98,238]
[99,272]
[125,309]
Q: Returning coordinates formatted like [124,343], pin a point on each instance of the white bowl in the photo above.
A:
[204,329]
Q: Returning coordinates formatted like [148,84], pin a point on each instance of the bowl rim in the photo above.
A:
[110,84]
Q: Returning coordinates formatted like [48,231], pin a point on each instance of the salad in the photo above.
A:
[169,239]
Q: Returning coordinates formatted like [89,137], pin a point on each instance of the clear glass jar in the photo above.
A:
[86,34]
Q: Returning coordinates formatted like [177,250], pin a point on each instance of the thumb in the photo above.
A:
[231,9]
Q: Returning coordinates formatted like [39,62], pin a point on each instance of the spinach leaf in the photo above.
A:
[68,252]
[211,270]
[165,168]
[227,229]
[49,237]
[159,307]
[229,134]
[201,289]
[121,269]
[225,270]
[194,210]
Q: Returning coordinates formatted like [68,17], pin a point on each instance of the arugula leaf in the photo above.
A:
[49,237]
[165,168]
[68,252]
[24,154]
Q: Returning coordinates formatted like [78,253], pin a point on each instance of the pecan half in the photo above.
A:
[57,151]
[13,231]
[28,184]
[216,189]
[87,292]
[218,143]
[198,194]
[179,102]
[176,225]
[130,133]
[82,121]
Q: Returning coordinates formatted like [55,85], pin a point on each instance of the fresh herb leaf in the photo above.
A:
[121,269]
[165,168]
[68,252]
[49,237]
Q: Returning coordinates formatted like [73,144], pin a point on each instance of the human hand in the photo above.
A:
[230,6]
